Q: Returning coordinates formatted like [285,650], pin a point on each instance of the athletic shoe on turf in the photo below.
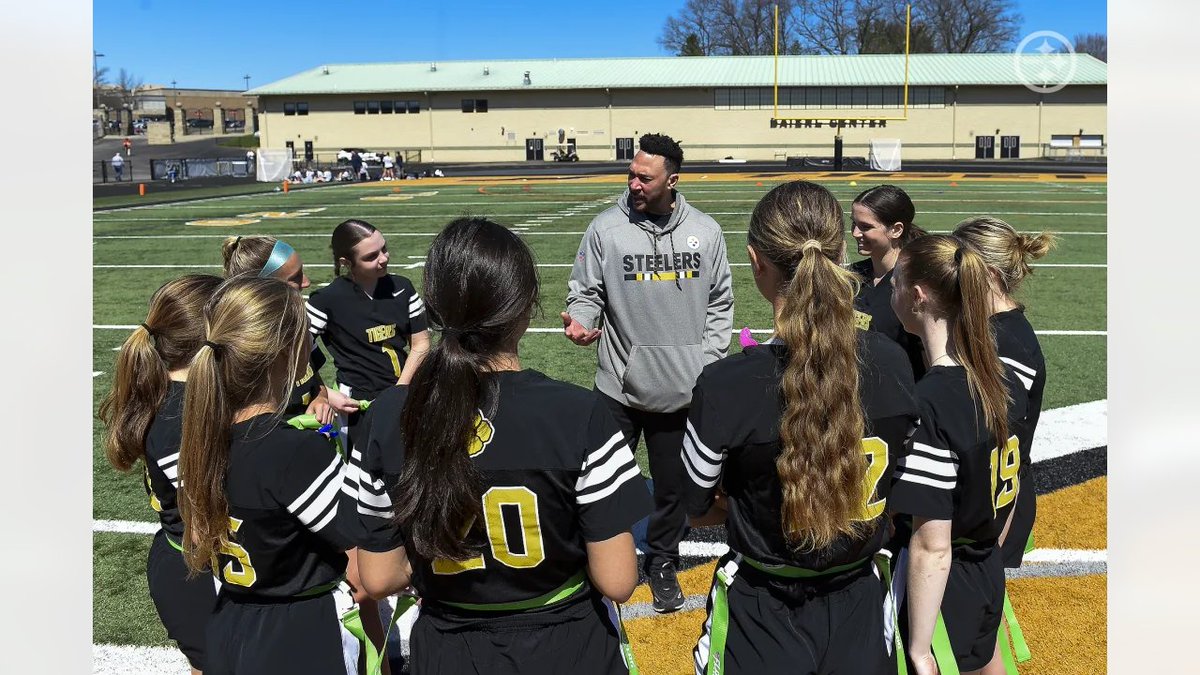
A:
[664,586]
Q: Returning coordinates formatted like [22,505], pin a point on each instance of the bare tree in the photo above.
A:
[727,28]
[969,26]
[1095,44]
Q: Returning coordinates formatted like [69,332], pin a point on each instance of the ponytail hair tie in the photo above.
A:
[148,329]
[958,253]
[237,241]
[218,350]
[811,243]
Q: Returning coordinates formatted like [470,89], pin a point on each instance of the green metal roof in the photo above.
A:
[708,71]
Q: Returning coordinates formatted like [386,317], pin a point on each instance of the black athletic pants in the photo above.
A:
[664,443]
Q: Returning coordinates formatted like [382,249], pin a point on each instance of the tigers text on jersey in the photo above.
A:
[875,301]
[956,471]
[282,485]
[367,336]
[555,472]
[162,461]
[308,386]
[732,439]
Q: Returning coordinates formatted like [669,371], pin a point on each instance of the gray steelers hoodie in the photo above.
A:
[663,289]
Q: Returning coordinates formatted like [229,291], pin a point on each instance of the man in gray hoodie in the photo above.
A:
[653,272]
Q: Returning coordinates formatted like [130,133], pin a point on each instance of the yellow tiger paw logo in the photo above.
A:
[484,432]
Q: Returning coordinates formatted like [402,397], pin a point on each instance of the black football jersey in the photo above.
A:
[1018,347]
[367,336]
[162,461]
[875,301]
[556,472]
[732,440]
[957,470]
[283,487]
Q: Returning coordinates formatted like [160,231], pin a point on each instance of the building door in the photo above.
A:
[308,151]
[534,150]
[1010,147]
[624,149]
[571,145]
[985,147]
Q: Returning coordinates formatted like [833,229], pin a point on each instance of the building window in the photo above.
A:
[302,108]
[385,107]
[360,107]
[414,107]
[372,107]
[474,105]
[289,109]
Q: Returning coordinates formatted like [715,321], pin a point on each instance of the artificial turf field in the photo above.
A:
[1061,599]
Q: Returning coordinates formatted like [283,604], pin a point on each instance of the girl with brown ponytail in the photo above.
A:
[504,497]
[792,445]
[962,478]
[143,419]
[1007,254]
[260,498]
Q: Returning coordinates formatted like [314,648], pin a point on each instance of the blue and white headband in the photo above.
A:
[279,255]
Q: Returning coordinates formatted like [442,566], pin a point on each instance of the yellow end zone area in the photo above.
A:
[692,176]
[1064,618]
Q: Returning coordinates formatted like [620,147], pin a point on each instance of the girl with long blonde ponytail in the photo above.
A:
[260,498]
[143,418]
[962,478]
[792,444]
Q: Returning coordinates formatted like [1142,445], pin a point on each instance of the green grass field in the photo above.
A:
[137,249]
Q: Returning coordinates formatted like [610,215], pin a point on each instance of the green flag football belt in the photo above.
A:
[352,620]
[728,572]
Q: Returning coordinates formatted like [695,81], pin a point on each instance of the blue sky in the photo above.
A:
[212,45]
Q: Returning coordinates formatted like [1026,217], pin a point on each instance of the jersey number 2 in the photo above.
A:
[238,571]
[525,501]
[877,460]
[1006,465]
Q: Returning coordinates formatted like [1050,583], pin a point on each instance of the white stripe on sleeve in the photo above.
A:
[629,474]
[312,506]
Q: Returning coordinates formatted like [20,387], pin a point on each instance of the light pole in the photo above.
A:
[247,79]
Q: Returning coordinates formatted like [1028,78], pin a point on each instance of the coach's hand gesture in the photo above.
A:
[576,333]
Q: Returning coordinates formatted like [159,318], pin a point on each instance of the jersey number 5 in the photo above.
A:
[238,571]
[532,552]
[1006,466]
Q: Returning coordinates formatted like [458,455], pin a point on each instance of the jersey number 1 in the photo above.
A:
[525,501]
[1006,466]
[391,352]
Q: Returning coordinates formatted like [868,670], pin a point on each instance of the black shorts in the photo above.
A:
[184,605]
[579,639]
[299,636]
[971,607]
[797,626]
[1021,528]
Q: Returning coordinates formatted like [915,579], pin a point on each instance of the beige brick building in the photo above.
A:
[959,106]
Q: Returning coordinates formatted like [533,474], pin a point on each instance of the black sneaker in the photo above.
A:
[668,597]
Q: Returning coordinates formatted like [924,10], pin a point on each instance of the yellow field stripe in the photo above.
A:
[1073,517]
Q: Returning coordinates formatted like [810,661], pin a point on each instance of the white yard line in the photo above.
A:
[136,660]
[97,373]
[1062,431]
